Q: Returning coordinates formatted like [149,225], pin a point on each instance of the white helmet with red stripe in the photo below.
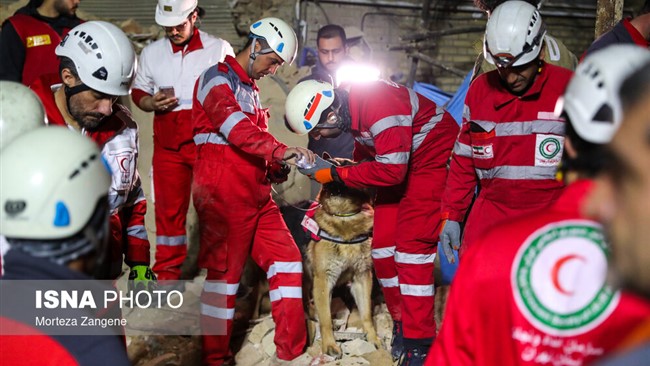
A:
[306,103]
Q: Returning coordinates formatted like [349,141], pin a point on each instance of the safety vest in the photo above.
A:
[39,40]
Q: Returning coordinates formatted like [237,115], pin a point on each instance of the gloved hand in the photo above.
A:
[450,239]
[448,264]
[278,173]
[319,164]
[141,277]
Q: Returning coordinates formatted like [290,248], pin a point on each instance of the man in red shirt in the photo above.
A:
[510,141]
[237,160]
[98,65]
[403,143]
[621,202]
[533,291]
[29,37]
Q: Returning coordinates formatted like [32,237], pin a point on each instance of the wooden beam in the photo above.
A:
[608,13]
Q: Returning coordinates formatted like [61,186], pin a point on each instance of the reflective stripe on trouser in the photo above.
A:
[231,230]
[383,247]
[172,177]
[416,244]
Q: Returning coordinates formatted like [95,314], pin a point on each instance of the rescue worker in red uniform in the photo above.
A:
[174,62]
[57,234]
[541,297]
[510,142]
[237,158]
[29,37]
[85,102]
[407,140]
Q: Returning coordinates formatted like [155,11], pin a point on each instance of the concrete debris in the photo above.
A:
[261,330]
[357,347]
[268,345]
[250,354]
[352,361]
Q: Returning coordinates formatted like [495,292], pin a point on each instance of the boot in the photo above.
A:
[397,342]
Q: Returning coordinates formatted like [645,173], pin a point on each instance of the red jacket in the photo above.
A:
[508,145]
[540,298]
[118,139]
[400,129]
[226,111]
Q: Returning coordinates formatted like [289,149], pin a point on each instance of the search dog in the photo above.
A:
[339,253]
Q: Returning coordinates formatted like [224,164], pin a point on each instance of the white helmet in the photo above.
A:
[306,103]
[513,34]
[279,35]
[170,13]
[52,179]
[20,111]
[103,56]
[591,99]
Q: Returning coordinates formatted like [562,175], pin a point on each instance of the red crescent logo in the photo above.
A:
[548,148]
[122,163]
[555,272]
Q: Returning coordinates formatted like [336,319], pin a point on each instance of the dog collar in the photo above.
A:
[318,234]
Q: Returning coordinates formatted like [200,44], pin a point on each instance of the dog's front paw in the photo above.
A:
[332,349]
[372,338]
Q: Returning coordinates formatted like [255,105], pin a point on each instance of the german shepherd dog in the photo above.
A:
[344,221]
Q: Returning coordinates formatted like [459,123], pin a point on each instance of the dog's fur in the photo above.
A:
[347,214]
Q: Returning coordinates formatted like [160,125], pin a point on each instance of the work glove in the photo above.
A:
[450,239]
[141,277]
[448,264]
[278,173]
[321,171]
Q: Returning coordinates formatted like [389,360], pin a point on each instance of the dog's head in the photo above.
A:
[338,199]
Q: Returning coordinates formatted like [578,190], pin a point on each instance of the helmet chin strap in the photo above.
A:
[253,55]
[70,91]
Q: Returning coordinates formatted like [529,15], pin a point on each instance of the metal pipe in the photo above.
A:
[442,32]
[434,62]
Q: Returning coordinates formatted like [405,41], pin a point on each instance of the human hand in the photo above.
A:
[293,154]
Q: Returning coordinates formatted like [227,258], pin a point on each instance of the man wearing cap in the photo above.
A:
[237,160]
[164,83]
[510,143]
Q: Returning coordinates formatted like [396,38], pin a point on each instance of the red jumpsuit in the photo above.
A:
[410,140]
[237,216]
[118,139]
[511,147]
[540,298]
[163,64]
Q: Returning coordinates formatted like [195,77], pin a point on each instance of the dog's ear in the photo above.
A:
[326,156]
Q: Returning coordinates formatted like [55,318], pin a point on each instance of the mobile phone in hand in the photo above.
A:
[168,91]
